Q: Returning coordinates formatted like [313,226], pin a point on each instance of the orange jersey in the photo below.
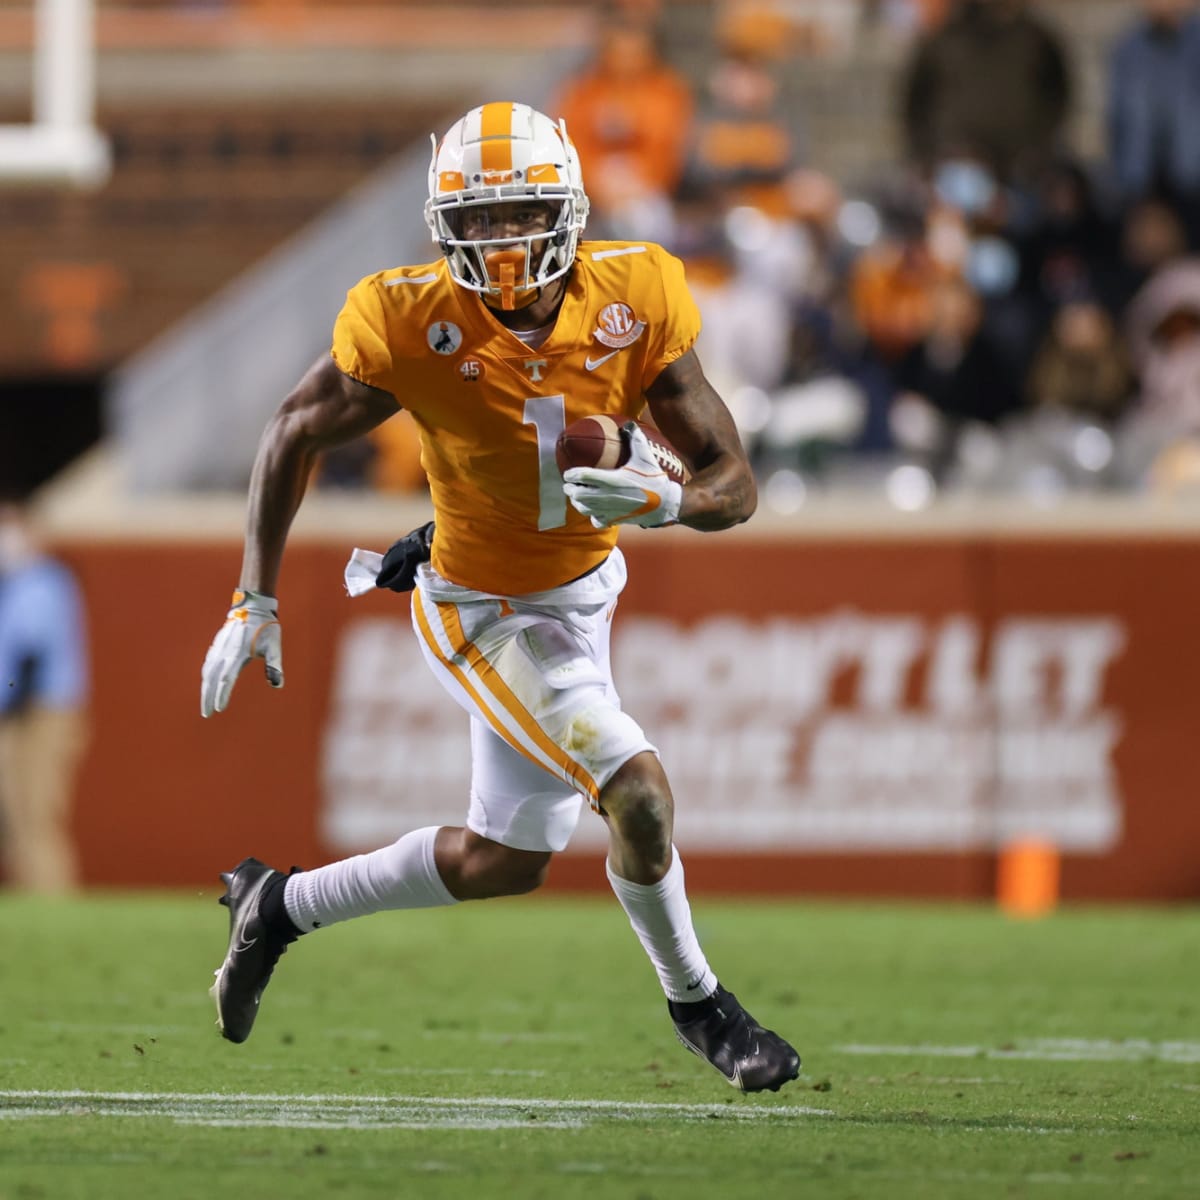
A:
[490,409]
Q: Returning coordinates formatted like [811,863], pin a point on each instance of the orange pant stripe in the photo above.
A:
[538,748]
[502,694]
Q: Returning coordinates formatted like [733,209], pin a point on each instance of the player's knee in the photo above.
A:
[645,825]
[638,803]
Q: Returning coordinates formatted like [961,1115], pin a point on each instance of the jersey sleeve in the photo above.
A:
[360,341]
[680,324]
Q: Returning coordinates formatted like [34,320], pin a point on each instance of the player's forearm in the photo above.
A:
[277,485]
[723,494]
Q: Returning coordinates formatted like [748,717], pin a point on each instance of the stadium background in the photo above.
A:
[883,681]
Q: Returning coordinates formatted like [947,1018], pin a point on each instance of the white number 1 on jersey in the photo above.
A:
[548,415]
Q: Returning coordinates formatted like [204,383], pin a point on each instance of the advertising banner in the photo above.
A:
[836,717]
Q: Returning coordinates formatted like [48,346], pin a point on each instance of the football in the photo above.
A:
[600,441]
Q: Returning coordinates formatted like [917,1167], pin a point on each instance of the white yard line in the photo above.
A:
[1043,1050]
[339,1111]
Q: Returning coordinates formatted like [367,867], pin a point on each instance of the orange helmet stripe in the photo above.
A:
[495,132]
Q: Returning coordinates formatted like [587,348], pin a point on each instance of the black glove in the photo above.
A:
[400,563]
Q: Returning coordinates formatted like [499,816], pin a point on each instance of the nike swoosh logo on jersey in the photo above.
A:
[592,363]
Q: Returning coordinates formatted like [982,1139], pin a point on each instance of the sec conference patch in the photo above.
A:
[617,326]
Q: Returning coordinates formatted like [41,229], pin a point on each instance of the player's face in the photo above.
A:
[521,218]
[513,238]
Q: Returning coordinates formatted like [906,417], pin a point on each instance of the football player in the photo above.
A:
[517,330]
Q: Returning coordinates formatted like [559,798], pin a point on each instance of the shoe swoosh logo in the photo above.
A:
[244,944]
[592,363]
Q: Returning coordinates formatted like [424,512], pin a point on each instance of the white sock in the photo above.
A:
[403,875]
[662,919]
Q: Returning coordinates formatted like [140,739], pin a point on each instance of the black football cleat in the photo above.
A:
[751,1058]
[253,949]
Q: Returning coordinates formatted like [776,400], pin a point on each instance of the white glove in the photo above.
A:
[251,630]
[639,493]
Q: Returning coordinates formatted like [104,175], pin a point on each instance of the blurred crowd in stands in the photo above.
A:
[991,314]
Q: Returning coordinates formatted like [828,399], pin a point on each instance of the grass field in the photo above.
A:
[521,1049]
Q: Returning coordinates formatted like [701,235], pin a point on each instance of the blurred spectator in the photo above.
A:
[1159,443]
[1082,366]
[744,335]
[759,30]
[815,202]
[903,17]
[824,403]
[629,115]
[1176,469]
[1151,237]
[793,253]
[1164,333]
[970,234]
[1071,249]
[990,85]
[43,695]
[1154,108]
[744,140]
[951,377]
[892,284]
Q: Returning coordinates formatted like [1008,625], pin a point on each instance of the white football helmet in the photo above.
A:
[506,152]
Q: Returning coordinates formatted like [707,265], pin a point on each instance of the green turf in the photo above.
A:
[549,999]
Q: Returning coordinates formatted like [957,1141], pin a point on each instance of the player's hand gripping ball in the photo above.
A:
[604,442]
[620,473]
